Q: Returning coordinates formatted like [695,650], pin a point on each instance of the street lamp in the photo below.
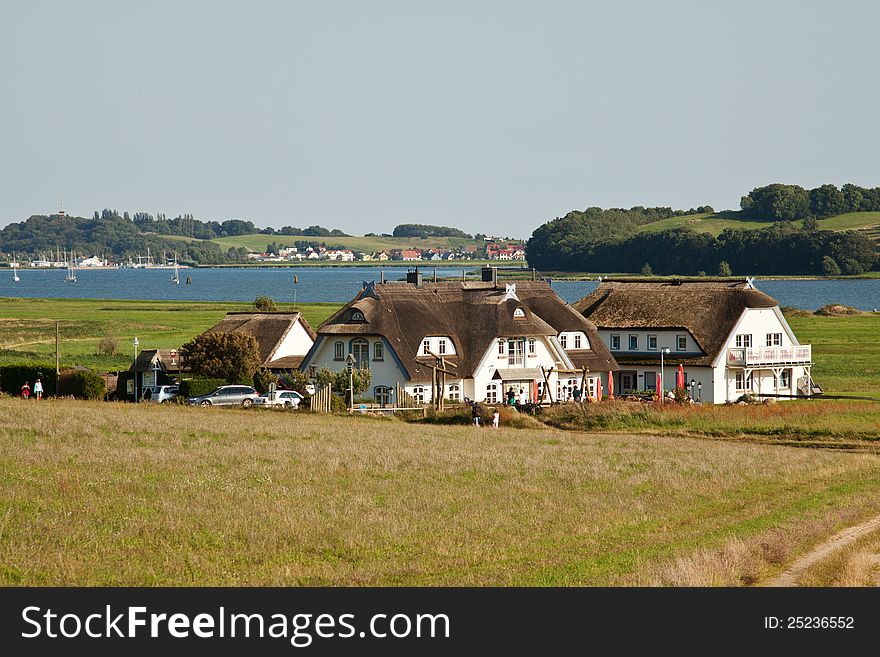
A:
[700,392]
[135,342]
[693,390]
[663,351]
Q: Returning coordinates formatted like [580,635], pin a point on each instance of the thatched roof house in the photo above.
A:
[283,338]
[730,338]
[485,331]
[707,310]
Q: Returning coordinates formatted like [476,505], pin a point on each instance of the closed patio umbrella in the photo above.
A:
[610,385]
[599,389]
[679,378]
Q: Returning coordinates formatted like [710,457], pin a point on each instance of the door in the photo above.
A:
[627,381]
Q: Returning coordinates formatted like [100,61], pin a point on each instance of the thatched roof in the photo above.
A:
[269,328]
[472,314]
[708,310]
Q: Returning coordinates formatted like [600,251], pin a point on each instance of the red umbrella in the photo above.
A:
[659,384]
[610,385]
[679,379]
[599,389]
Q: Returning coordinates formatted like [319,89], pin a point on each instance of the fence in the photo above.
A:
[320,401]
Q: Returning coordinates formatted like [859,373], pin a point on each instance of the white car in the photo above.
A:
[285,398]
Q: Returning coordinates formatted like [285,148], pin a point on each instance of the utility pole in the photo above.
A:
[57,363]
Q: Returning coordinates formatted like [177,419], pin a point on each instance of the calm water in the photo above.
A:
[339,284]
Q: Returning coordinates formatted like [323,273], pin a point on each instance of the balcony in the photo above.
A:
[758,356]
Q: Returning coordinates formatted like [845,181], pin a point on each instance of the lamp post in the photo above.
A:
[693,390]
[700,392]
[663,351]
[135,342]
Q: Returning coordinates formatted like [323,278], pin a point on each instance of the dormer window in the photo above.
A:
[356,316]
[519,312]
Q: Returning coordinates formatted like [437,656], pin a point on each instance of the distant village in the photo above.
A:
[491,251]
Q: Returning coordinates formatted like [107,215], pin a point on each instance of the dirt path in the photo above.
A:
[843,538]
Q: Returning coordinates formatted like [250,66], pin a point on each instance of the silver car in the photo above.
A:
[160,394]
[226,396]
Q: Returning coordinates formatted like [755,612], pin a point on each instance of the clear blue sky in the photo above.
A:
[491,116]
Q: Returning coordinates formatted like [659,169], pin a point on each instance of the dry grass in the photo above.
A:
[843,423]
[112,494]
[858,564]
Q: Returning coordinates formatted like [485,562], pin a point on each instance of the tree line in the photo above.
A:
[427,230]
[779,202]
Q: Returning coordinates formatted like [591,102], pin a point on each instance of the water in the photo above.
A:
[339,284]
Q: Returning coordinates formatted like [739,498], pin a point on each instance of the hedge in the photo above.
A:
[199,386]
[82,384]
[13,377]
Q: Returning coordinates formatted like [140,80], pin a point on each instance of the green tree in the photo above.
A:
[724,269]
[265,304]
[234,357]
[830,267]
[810,224]
[646,270]
[827,201]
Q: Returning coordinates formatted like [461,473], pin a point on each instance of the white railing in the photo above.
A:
[748,356]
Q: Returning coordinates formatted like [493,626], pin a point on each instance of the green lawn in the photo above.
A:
[716,222]
[846,351]
[27,327]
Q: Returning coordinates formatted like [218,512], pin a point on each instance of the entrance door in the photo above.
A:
[628,381]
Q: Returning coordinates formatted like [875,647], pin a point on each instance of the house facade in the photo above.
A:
[730,338]
[489,337]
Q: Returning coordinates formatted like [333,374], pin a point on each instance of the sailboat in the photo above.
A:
[15,277]
[175,277]
[71,273]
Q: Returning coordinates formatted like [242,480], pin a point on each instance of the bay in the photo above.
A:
[339,284]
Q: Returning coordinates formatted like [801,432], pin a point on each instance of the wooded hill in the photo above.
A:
[781,229]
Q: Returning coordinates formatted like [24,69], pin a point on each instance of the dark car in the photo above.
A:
[225,396]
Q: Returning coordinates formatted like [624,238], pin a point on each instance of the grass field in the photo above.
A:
[258,242]
[115,494]
[716,222]
[27,327]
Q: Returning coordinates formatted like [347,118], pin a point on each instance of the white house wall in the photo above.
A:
[297,342]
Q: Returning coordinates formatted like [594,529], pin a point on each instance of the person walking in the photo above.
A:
[496,416]
[38,389]
[475,413]
[26,390]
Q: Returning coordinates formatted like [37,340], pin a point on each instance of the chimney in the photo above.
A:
[414,276]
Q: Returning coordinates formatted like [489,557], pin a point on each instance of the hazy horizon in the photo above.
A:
[490,118]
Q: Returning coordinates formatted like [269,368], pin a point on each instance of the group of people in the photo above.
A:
[26,390]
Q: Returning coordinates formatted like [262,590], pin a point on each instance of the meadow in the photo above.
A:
[27,327]
[96,493]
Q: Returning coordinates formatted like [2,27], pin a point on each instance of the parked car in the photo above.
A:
[225,396]
[286,398]
[160,394]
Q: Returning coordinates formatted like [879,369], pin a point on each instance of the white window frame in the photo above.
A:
[774,339]
[614,341]
[501,351]
[441,346]
[563,340]
[426,346]
[339,350]
[652,343]
[361,345]
[532,350]
[744,340]
[747,381]
[454,392]
[577,341]
[633,337]
[378,350]
[678,343]
[491,393]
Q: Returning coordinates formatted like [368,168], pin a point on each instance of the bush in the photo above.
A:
[724,269]
[108,346]
[263,378]
[265,304]
[82,384]
[234,357]
[199,386]
[12,377]
[829,266]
